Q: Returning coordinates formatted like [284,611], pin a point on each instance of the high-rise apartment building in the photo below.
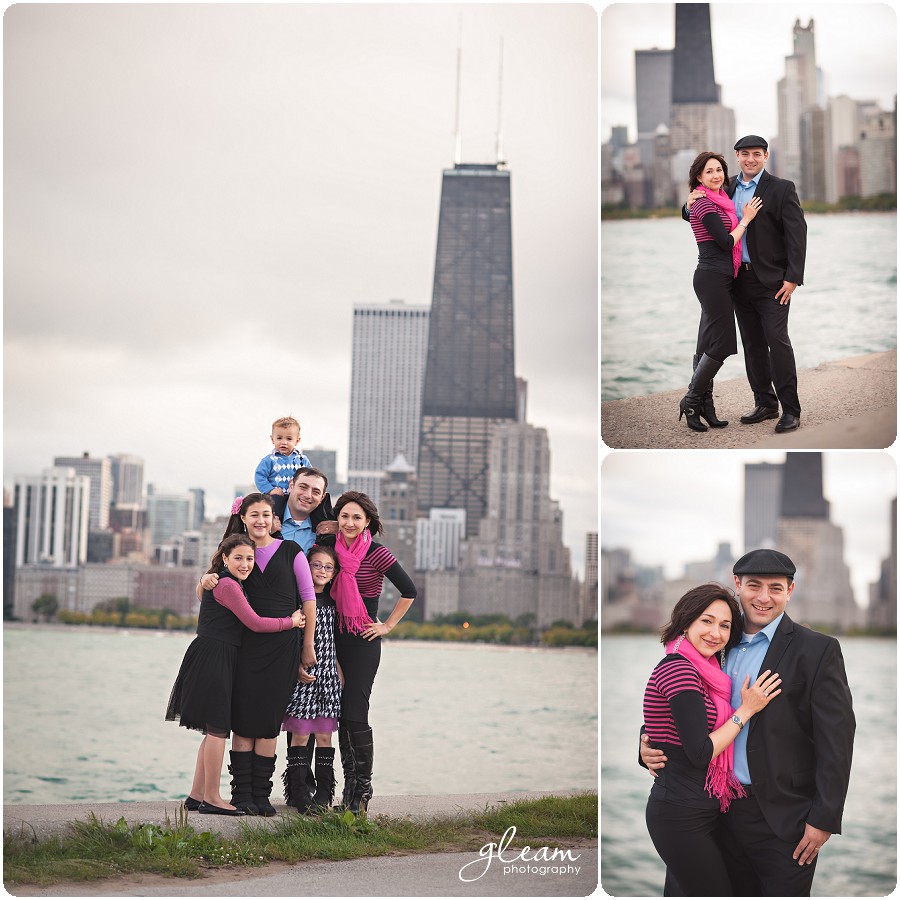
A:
[470,383]
[99,470]
[52,517]
[390,343]
[398,513]
[653,97]
[168,515]
[762,504]
[9,556]
[127,481]
[438,538]
[590,603]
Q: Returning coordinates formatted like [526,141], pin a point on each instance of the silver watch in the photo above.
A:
[737,721]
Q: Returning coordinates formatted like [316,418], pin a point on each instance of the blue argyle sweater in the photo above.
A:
[276,470]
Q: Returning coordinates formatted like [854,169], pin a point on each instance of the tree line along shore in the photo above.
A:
[458,626]
[885,202]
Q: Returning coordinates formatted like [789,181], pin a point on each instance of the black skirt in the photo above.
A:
[202,694]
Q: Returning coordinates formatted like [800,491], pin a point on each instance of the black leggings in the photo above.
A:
[685,839]
[716,336]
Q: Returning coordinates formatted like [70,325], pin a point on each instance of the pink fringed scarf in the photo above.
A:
[721,782]
[352,614]
[724,202]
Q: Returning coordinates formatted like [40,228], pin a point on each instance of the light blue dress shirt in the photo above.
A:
[300,532]
[746,659]
[744,191]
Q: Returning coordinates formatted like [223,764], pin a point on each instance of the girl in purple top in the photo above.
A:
[202,694]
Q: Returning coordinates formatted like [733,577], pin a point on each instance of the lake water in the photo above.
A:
[649,312]
[860,862]
[84,718]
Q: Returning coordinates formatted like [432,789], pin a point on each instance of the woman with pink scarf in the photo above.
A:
[687,713]
[362,567]
[718,233]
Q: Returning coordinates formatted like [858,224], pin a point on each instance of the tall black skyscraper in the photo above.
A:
[801,487]
[470,380]
[693,77]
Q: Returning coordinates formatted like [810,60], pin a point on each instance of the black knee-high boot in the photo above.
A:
[363,754]
[348,763]
[263,770]
[241,770]
[692,401]
[324,777]
[296,791]
[707,407]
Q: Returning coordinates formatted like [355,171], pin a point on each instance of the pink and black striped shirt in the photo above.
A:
[671,677]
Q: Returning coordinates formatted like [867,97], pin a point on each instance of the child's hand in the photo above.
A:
[308,657]
[277,492]
[304,676]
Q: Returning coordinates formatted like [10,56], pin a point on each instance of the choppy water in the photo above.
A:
[860,862]
[84,718]
[649,313]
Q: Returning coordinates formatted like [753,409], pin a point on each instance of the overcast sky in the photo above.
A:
[195,197]
[856,48]
[674,507]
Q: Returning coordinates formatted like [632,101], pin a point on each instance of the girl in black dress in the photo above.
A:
[356,588]
[267,669]
[201,696]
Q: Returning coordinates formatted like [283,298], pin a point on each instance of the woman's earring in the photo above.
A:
[722,657]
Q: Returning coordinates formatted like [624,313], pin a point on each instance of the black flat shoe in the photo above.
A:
[191,804]
[787,422]
[209,810]
[759,414]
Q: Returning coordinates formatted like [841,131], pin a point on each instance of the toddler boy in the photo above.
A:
[275,471]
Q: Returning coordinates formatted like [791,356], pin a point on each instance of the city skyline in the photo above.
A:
[856,48]
[197,196]
[671,508]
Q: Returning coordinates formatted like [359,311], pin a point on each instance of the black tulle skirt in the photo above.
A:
[202,694]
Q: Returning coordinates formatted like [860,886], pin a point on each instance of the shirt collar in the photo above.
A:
[754,181]
[768,631]
[294,452]
[303,523]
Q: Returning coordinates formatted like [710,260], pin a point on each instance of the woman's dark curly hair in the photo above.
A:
[691,606]
[699,164]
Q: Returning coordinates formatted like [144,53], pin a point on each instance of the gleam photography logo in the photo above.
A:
[540,861]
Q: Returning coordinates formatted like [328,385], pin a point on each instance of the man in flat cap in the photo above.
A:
[794,757]
[773,255]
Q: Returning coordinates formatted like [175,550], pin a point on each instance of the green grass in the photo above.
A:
[97,849]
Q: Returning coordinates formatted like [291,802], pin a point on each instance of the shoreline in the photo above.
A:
[865,417]
[416,642]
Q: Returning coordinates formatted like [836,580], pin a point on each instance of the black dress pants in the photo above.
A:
[760,863]
[685,839]
[768,354]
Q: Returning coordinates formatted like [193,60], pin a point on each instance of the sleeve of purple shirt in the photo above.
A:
[304,578]
[228,593]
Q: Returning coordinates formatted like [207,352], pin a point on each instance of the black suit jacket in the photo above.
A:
[799,748]
[776,238]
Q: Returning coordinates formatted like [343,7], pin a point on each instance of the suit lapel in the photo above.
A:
[762,184]
[781,640]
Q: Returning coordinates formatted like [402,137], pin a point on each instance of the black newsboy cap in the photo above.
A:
[752,140]
[765,562]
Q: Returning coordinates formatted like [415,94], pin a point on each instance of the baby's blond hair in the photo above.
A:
[285,422]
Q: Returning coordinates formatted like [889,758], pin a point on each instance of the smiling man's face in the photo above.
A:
[762,598]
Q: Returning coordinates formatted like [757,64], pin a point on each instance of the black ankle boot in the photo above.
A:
[707,408]
[363,754]
[692,402]
[263,770]
[296,791]
[241,770]
[348,764]
[324,777]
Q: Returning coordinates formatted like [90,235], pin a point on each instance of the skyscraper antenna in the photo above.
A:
[500,159]
[457,141]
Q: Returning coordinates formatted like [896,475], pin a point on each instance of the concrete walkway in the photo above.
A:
[419,875]
[847,404]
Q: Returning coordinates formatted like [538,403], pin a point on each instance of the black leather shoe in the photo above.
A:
[210,810]
[759,414]
[787,422]
[191,804]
